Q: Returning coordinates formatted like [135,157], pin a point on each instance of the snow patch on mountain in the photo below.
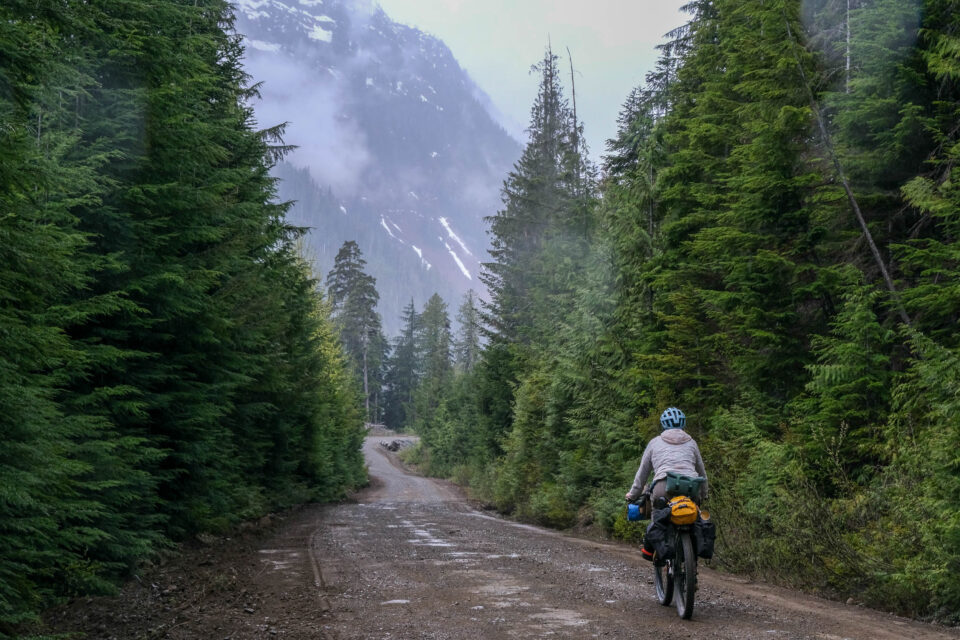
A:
[446,225]
[321,34]
[456,259]
[387,130]
[383,223]
[252,9]
[260,45]
[420,255]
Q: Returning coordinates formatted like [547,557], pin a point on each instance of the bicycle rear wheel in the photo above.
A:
[685,574]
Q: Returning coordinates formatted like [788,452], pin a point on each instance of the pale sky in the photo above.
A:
[612,42]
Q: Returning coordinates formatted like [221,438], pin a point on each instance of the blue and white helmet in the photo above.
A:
[672,418]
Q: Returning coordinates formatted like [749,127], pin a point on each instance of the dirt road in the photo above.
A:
[410,559]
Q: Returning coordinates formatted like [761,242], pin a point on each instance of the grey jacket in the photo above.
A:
[673,450]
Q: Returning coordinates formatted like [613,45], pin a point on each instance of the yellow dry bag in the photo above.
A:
[683,510]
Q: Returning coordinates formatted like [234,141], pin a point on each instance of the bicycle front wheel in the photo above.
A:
[663,580]
[685,574]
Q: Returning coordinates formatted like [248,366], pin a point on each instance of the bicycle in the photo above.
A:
[677,576]
[677,533]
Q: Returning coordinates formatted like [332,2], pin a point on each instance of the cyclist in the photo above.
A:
[673,450]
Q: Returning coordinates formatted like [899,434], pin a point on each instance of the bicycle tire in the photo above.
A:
[685,575]
[663,581]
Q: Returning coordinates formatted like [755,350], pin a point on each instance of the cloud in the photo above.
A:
[328,143]
[612,41]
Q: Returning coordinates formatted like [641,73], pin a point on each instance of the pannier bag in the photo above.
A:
[658,538]
[704,535]
[683,510]
[681,485]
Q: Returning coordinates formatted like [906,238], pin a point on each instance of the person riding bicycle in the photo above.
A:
[673,450]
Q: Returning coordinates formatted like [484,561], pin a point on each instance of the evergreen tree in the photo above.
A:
[538,238]
[41,174]
[848,397]
[402,375]
[467,344]
[166,365]
[543,203]
[434,354]
[354,296]
[434,343]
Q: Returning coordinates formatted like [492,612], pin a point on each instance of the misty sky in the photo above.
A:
[496,41]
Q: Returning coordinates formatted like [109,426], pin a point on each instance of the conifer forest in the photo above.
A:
[168,365]
[771,242]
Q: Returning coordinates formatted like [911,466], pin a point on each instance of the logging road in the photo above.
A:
[410,558]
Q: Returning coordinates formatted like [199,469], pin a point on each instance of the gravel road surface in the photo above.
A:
[411,559]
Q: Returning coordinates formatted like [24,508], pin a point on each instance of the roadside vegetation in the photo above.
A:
[772,243]
[773,247]
[167,365]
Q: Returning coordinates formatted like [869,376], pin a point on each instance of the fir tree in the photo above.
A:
[403,371]
[467,344]
[434,354]
[354,297]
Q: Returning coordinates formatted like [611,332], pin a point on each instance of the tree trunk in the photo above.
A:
[854,205]
[366,386]
[847,82]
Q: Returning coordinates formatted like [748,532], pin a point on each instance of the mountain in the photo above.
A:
[396,146]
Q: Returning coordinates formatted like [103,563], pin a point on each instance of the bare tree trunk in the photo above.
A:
[847,82]
[573,92]
[366,386]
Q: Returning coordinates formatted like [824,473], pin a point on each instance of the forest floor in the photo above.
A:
[409,557]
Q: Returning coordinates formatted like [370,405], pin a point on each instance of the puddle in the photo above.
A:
[396,602]
[564,617]
[502,589]
[430,542]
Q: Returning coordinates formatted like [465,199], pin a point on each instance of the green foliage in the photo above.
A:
[403,371]
[354,296]
[433,343]
[467,343]
[723,271]
[922,487]
[166,363]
